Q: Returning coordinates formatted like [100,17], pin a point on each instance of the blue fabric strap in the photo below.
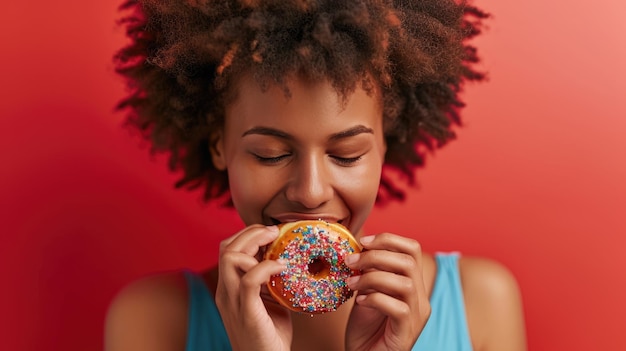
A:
[446,329]
[447,326]
[205,328]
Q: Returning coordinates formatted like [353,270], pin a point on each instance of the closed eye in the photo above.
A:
[346,161]
[271,160]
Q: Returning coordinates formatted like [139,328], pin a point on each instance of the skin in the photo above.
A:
[302,157]
[307,157]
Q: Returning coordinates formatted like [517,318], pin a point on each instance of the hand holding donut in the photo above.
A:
[392,306]
[253,320]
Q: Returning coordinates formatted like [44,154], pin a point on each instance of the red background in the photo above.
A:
[537,179]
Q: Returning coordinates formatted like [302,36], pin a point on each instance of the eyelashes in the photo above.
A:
[271,160]
[342,161]
[347,161]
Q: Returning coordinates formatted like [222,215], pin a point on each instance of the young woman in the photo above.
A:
[292,110]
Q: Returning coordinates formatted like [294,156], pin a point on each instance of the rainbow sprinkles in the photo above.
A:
[316,272]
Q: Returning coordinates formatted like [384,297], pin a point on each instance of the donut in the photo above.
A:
[315,278]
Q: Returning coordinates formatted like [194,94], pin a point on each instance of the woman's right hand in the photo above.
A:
[253,320]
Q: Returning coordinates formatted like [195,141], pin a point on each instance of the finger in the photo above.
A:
[232,267]
[236,262]
[230,239]
[394,285]
[402,318]
[388,261]
[250,239]
[385,304]
[392,242]
[252,232]
[258,276]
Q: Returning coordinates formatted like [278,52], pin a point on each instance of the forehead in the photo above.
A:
[308,111]
[302,100]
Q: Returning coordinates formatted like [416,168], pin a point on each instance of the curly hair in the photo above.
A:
[184,54]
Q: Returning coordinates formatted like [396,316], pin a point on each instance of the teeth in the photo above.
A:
[276,221]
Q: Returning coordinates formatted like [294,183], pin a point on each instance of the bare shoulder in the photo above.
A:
[493,305]
[148,314]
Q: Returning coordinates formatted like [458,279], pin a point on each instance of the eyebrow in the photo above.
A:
[267,131]
[356,130]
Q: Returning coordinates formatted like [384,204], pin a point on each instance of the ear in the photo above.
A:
[216,147]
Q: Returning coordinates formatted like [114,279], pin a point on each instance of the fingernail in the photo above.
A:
[273,228]
[350,259]
[360,298]
[282,261]
[353,280]
[367,239]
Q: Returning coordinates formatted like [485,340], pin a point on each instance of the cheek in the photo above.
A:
[364,188]
[359,190]
[250,192]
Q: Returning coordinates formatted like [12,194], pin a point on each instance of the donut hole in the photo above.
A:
[318,267]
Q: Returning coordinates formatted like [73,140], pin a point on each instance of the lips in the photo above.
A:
[293,217]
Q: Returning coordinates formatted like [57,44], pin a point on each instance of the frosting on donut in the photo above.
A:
[315,278]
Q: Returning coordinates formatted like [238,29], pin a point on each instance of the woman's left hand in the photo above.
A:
[391,306]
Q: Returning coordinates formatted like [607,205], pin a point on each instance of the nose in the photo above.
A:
[311,184]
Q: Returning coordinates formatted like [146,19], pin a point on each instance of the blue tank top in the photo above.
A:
[446,328]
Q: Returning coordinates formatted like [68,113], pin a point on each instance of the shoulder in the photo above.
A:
[148,314]
[493,305]
[487,279]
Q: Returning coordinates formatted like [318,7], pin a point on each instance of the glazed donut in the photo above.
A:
[315,278]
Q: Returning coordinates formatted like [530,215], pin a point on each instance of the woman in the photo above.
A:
[292,110]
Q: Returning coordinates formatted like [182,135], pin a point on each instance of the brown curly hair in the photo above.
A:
[184,54]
